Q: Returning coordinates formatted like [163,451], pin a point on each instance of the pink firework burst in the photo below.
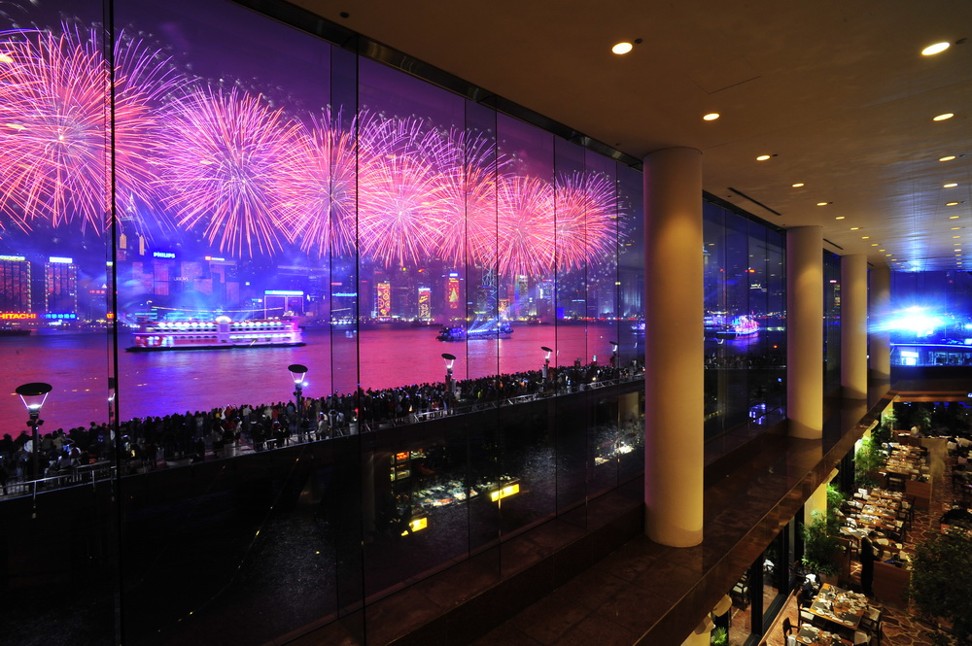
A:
[56,124]
[320,186]
[401,211]
[525,226]
[53,128]
[468,165]
[586,215]
[225,172]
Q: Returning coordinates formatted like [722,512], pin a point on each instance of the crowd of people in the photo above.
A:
[158,442]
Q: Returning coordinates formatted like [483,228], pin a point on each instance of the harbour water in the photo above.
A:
[159,383]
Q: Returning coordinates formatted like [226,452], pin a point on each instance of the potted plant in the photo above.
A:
[940,586]
[867,460]
[822,549]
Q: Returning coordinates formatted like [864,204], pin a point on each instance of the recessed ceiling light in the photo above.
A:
[945,116]
[946,158]
[865,237]
[855,228]
[622,48]
[839,217]
[952,203]
[712,116]
[953,217]
[950,185]
[887,255]
[936,48]
[763,157]
[798,185]
[882,250]
[955,237]
[874,244]
[822,203]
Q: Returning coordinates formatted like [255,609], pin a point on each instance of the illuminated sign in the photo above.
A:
[505,492]
[345,294]
[384,299]
[215,259]
[13,258]
[17,316]
[282,292]
[452,293]
[57,260]
[163,254]
[424,303]
[416,525]
[53,316]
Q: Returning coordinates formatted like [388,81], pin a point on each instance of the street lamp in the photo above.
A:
[546,363]
[297,372]
[34,395]
[450,360]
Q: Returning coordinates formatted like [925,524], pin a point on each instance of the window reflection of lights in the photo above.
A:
[865,237]
[822,203]
[945,116]
[798,185]
[763,157]
[950,185]
[946,158]
[840,217]
[855,228]
[712,116]
[952,203]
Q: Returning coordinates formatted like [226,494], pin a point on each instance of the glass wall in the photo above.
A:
[315,328]
[744,321]
[831,336]
[930,322]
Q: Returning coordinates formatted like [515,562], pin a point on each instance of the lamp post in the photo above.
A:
[33,395]
[298,371]
[450,360]
[546,364]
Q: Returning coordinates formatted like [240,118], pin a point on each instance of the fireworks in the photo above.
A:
[53,128]
[251,179]
[320,188]
[586,219]
[223,169]
[401,214]
[56,124]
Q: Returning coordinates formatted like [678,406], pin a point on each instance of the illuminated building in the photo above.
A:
[60,286]
[15,284]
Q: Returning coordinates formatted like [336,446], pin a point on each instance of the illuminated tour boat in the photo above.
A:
[218,334]
[498,330]
[738,327]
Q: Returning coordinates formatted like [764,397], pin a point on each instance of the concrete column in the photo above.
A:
[853,326]
[816,504]
[804,331]
[674,351]
[880,308]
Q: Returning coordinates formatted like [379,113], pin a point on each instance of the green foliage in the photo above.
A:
[940,585]
[866,462]
[882,433]
[835,498]
[822,549]
[720,637]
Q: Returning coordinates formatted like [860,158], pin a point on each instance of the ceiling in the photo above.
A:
[836,91]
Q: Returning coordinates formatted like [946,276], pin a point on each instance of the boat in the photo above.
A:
[719,326]
[221,333]
[498,330]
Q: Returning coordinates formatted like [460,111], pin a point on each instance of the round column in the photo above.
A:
[880,337]
[804,331]
[674,351]
[853,326]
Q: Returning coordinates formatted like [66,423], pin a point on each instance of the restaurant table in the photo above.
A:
[817,637]
[840,608]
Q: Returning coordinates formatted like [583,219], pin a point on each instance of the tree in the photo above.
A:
[822,550]
[940,585]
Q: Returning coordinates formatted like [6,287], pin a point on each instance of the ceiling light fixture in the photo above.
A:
[953,217]
[822,203]
[874,244]
[945,116]
[855,228]
[936,48]
[763,157]
[946,158]
[839,217]
[865,237]
[712,116]
[622,48]
[798,185]
[950,185]
[952,203]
